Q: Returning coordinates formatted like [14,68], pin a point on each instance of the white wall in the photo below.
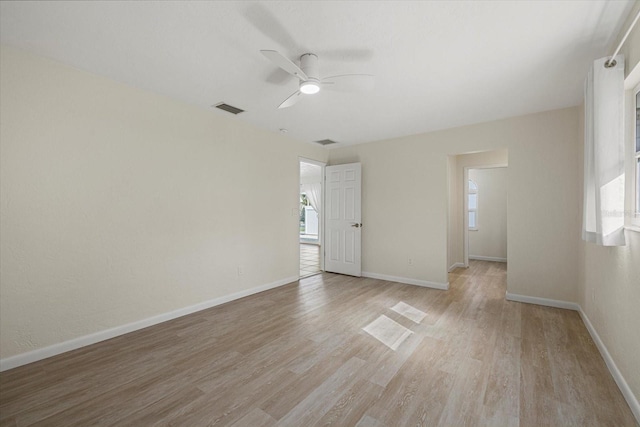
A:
[490,239]
[310,173]
[405,200]
[117,204]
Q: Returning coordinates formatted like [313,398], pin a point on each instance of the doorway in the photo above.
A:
[468,212]
[485,214]
[310,225]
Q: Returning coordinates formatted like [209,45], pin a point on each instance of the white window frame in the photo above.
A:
[469,209]
[632,214]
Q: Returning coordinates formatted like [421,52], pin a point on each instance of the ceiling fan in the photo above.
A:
[309,78]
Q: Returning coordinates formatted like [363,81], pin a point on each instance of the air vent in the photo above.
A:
[326,142]
[229,108]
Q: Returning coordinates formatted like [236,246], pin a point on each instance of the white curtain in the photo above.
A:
[313,195]
[603,210]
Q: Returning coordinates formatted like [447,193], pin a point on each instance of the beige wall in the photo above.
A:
[405,200]
[609,285]
[490,239]
[118,204]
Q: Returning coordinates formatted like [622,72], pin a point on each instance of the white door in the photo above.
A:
[343,219]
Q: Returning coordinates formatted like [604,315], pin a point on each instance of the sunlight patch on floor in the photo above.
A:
[388,332]
[409,312]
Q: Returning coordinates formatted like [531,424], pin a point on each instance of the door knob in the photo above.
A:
[356,225]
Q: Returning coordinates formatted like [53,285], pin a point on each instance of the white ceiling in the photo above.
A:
[437,64]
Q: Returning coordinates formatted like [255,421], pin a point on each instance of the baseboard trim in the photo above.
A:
[543,301]
[487,258]
[407,281]
[631,399]
[456,265]
[309,242]
[76,343]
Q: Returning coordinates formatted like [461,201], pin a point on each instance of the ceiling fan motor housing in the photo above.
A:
[309,64]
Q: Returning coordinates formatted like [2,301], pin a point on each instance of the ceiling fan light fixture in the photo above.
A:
[308,77]
[309,87]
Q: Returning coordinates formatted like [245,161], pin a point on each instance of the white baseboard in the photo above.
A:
[543,301]
[309,242]
[456,265]
[631,399]
[55,349]
[487,258]
[407,281]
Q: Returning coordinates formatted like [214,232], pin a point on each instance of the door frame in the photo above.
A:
[322,165]
[465,210]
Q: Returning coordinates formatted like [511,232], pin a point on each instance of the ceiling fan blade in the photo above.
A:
[284,63]
[291,100]
[279,77]
[349,82]
[269,25]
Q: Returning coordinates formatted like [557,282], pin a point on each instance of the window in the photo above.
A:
[472,205]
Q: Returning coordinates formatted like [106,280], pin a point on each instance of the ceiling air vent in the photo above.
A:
[326,142]
[228,108]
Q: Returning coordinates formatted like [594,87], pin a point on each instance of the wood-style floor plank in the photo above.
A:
[298,356]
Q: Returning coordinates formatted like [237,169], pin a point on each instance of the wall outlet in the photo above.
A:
[240,270]
[410,261]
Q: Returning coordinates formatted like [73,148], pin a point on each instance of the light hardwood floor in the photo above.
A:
[297,356]
[309,259]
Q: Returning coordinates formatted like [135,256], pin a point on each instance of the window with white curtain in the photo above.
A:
[603,219]
[472,205]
